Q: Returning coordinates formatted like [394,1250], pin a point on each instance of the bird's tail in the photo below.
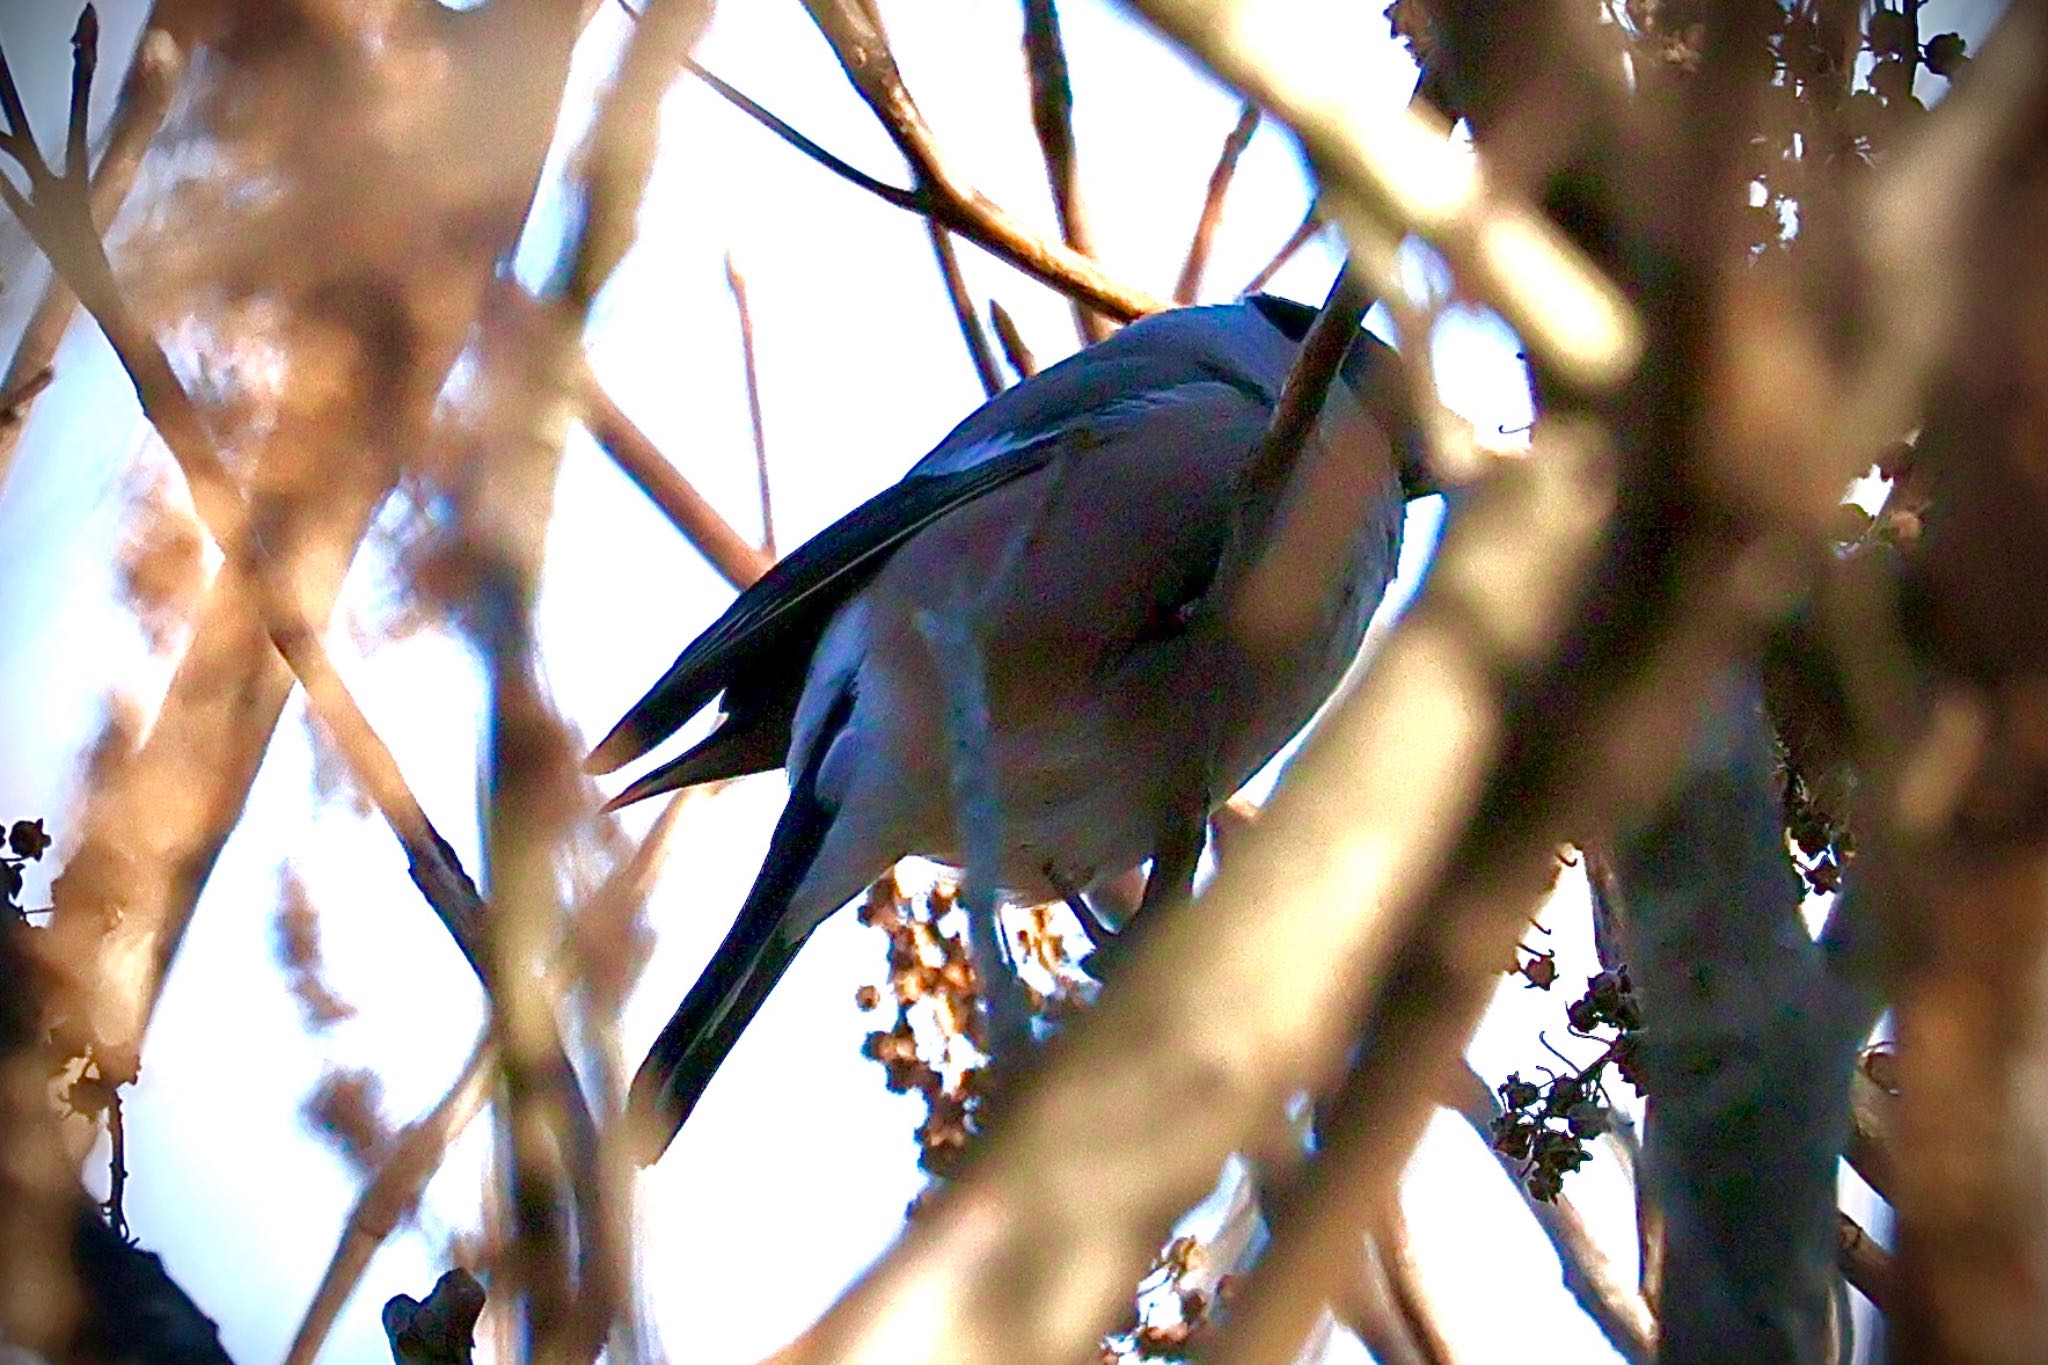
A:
[757,950]
[704,1028]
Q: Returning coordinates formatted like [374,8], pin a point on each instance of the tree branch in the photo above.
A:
[1189,286]
[737,283]
[964,311]
[855,31]
[145,95]
[1052,118]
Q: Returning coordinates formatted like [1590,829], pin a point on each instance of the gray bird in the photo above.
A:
[1080,515]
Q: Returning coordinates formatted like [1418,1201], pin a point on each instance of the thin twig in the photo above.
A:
[139,111]
[1311,224]
[909,200]
[390,1197]
[1240,137]
[1052,118]
[1012,341]
[855,31]
[738,284]
[58,215]
[963,309]
[739,561]
[1259,577]
[1866,1265]
[1411,1299]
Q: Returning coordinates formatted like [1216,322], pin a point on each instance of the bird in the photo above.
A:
[1078,518]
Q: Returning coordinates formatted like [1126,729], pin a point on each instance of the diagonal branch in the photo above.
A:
[58,215]
[1052,118]
[963,309]
[737,283]
[1311,224]
[139,111]
[736,558]
[1385,177]
[1012,341]
[1189,285]
[855,31]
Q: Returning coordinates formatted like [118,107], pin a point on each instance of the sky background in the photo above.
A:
[795,1170]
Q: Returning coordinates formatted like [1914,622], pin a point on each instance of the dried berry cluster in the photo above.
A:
[1171,1314]
[935,1045]
[1545,1126]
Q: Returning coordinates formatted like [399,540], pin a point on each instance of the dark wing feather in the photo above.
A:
[777,620]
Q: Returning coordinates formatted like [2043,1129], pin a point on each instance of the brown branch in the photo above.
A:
[1258,575]
[737,283]
[139,111]
[911,201]
[536,794]
[1012,341]
[1052,118]
[1873,1118]
[1311,224]
[1189,285]
[1404,1281]
[1866,1265]
[390,1198]
[58,214]
[738,560]
[855,32]
[963,309]
[1385,177]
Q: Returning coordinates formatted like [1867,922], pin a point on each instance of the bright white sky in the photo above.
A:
[795,1170]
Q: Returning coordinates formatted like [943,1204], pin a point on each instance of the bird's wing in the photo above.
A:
[780,615]
[757,652]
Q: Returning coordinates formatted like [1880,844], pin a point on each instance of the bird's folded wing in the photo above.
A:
[797,596]
[773,624]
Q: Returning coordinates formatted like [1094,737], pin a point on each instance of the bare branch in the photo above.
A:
[1311,224]
[738,560]
[1052,117]
[1189,286]
[910,200]
[1864,1264]
[855,31]
[138,112]
[963,310]
[1411,1300]
[1014,350]
[536,794]
[1385,177]
[738,284]
[390,1198]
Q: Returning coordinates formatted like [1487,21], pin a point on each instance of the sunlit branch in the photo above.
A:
[736,558]
[964,312]
[1189,286]
[1311,224]
[390,1197]
[1052,118]
[138,112]
[1389,175]
[855,32]
[737,283]
[57,213]
[1012,341]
